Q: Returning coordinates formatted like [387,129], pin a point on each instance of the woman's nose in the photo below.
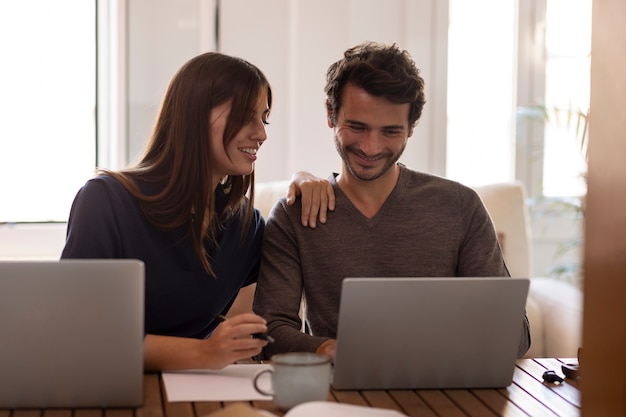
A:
[260,135]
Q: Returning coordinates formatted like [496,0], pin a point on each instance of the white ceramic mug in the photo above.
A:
[296,377]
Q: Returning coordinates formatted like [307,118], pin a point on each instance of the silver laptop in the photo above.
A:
[71,333]
[428,333]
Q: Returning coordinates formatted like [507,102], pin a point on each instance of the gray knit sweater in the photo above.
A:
[428,227]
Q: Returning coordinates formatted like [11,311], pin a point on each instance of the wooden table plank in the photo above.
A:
[272,408]
[152,398]
[526,402]
[412,404]
[27,412]
[349,397]
[58,412]
[88,412]
[568,390]
[469,403]
[178,409]
[550,363]
[440,403]
[545,394]
[527,396]
[380,399]
[118,412]
[268,406]
[202,408]
[499,403]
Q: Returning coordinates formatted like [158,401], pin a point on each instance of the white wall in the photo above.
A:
[293,42]
[161,36]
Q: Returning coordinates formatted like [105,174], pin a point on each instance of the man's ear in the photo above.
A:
[329,119]
[410,133]
[329,115]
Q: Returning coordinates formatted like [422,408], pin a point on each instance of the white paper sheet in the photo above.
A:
[310,409]
[233,383]
[332,409]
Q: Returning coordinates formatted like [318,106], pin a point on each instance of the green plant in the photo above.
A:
[567,264]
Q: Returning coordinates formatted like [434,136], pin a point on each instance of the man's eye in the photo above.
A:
[357,128]
[392,132]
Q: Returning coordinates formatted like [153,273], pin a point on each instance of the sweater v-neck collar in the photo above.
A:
[374,220]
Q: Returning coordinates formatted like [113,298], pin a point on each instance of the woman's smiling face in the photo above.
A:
[239,155]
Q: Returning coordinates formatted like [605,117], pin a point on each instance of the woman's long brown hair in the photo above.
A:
[177,160]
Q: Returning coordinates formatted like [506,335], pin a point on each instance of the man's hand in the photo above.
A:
[317,198]
[328,348]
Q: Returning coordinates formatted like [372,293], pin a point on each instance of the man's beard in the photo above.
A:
[391,160]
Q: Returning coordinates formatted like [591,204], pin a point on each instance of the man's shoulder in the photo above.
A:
[281,211]
[424,179]
[429,187]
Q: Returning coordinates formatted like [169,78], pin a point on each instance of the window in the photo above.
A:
[518,96]
[518,93]
[481,100]
[568,59]
[47,106]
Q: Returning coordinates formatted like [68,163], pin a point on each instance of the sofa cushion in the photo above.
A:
[506,204]
[561,311]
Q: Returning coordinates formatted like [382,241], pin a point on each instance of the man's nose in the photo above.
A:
[371,143]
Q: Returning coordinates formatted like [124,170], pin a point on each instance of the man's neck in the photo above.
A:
[368,196]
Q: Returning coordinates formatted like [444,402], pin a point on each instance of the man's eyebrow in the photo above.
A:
[354,122]
[362,124]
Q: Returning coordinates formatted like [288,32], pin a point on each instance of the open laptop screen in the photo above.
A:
[421,333]
[72,333]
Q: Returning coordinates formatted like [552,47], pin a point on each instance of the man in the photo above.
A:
[388,220]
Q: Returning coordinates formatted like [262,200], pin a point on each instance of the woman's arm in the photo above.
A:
[317,194]
[231,341]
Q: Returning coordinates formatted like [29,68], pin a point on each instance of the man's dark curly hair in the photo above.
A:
[381,70]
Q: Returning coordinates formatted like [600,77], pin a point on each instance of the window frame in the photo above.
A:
[45,240]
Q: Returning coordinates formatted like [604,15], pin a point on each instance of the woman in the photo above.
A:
[183,211]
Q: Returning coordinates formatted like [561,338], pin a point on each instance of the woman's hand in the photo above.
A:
[231,341]
[317,198]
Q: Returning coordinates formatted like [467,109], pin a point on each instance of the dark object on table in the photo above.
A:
[552,377]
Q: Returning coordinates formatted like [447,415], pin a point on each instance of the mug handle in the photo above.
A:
[256,378]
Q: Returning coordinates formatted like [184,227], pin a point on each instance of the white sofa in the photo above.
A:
[554,308]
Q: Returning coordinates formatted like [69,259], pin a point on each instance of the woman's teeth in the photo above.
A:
[251,151]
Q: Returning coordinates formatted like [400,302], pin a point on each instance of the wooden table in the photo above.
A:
[528,395]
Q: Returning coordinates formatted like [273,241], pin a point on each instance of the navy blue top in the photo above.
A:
[181,298]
